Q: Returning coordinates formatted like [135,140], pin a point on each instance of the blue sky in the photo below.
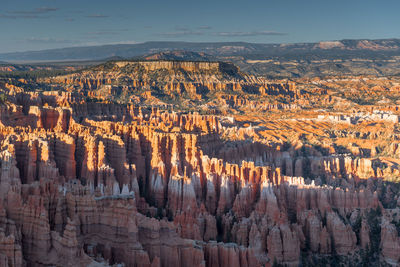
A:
[43,24]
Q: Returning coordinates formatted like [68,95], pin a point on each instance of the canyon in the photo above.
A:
[192,163]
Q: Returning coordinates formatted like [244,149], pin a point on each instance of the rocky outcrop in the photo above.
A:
[173,78]
[390,243]
[91,183]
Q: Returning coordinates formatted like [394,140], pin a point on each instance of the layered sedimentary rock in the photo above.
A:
[173,78]
[145,194]
[96,182]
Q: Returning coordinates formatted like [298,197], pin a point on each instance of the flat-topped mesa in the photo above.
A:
[176,79]
[191,66]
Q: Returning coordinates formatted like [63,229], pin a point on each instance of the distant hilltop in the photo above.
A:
[174,79]
[189,66]
[173,65]
[151,49]
[180,55]
[274,61]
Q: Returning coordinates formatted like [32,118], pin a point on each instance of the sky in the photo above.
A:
[27,25]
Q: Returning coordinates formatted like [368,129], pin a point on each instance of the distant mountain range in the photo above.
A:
[331,49]
[344,57]
[179,55]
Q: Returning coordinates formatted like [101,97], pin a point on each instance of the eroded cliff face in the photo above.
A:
[172,78]
[163,189]
[85,181]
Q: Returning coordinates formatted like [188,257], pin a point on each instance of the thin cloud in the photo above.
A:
[46,9]
[5,16]
[48,40]
[251,33]
[39,10]
[188,29]
[105,32]
[182,28]
[181,33]
[97,16]
[94,43]
[205,27]
[101,33]
[37,13]
[27,16]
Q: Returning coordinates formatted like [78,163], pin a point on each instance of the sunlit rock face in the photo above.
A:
[87,182]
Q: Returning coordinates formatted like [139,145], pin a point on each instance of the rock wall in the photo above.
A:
[165,190]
